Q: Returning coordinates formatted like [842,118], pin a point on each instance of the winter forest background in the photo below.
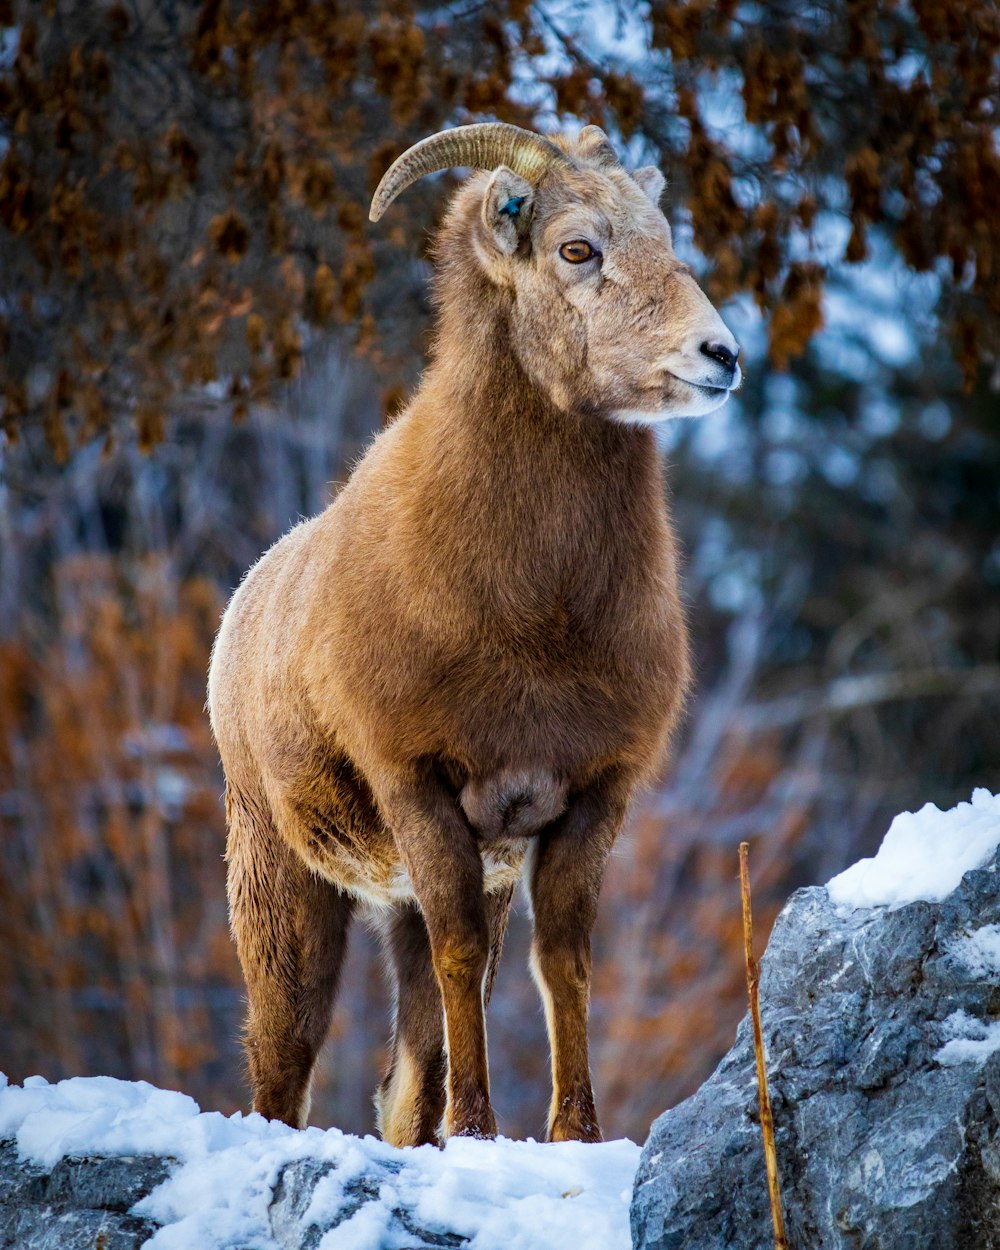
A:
[199,330]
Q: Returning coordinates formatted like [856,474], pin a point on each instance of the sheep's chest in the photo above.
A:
[567,694]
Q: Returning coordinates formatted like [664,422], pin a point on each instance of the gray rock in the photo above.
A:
[105,1184]
[880,1146]
[294,1192]
[85,1203]
[80,1204]
[20,1181]
[43,1228]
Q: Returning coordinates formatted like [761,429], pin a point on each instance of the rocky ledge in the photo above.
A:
[85,1203]
[882,1029]
[882,1022]
[93,1163]
[80,1204]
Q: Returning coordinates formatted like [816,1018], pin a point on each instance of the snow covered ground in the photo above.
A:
[503,1195]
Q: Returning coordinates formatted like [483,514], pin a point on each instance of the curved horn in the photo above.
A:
[485,145]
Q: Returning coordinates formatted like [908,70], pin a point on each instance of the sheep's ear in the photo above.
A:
[651,181]
[507,207]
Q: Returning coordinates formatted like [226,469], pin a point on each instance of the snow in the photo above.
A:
[980,951]
[502,1195]
[972,1040]
[924,855]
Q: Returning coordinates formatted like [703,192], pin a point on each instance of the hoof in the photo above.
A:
[576,1120]
[479,1122]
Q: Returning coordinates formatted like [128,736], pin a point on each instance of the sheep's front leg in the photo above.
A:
[566,874]
[441,856]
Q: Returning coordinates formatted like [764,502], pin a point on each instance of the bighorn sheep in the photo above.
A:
[461,671]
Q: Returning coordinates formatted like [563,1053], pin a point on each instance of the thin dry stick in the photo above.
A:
[766,1118]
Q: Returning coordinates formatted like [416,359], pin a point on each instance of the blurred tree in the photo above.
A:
[184,184]
[184,187]
[116,955]
[881,112]
[184,238]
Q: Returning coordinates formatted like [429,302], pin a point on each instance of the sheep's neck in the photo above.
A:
[554,504]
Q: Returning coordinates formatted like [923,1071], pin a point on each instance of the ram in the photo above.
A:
[459,674]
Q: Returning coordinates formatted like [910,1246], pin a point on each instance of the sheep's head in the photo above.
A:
[604,316]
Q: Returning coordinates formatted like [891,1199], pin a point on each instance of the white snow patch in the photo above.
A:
[924,855]
[972,1040]
[502,1195]
[980,950]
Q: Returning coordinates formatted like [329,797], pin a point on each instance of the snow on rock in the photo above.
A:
[924,855]
[242,1181]
[970,1040]
[980,951]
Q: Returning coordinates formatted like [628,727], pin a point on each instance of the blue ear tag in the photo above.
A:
[513,206]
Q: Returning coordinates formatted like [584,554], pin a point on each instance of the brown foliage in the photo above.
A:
[114,897]
[164,174]
[843,96]
[126,132]
[157,167]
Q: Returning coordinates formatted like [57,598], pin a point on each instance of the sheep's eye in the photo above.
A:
[578,251]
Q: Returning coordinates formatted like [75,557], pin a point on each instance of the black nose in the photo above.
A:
[721,353]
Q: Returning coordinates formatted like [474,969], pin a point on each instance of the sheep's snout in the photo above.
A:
[708,357]
[513,802]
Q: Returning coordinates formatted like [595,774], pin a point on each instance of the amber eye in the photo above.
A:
[578,251]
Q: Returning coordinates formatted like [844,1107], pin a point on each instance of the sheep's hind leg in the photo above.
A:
[290,928]
[410,1101]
